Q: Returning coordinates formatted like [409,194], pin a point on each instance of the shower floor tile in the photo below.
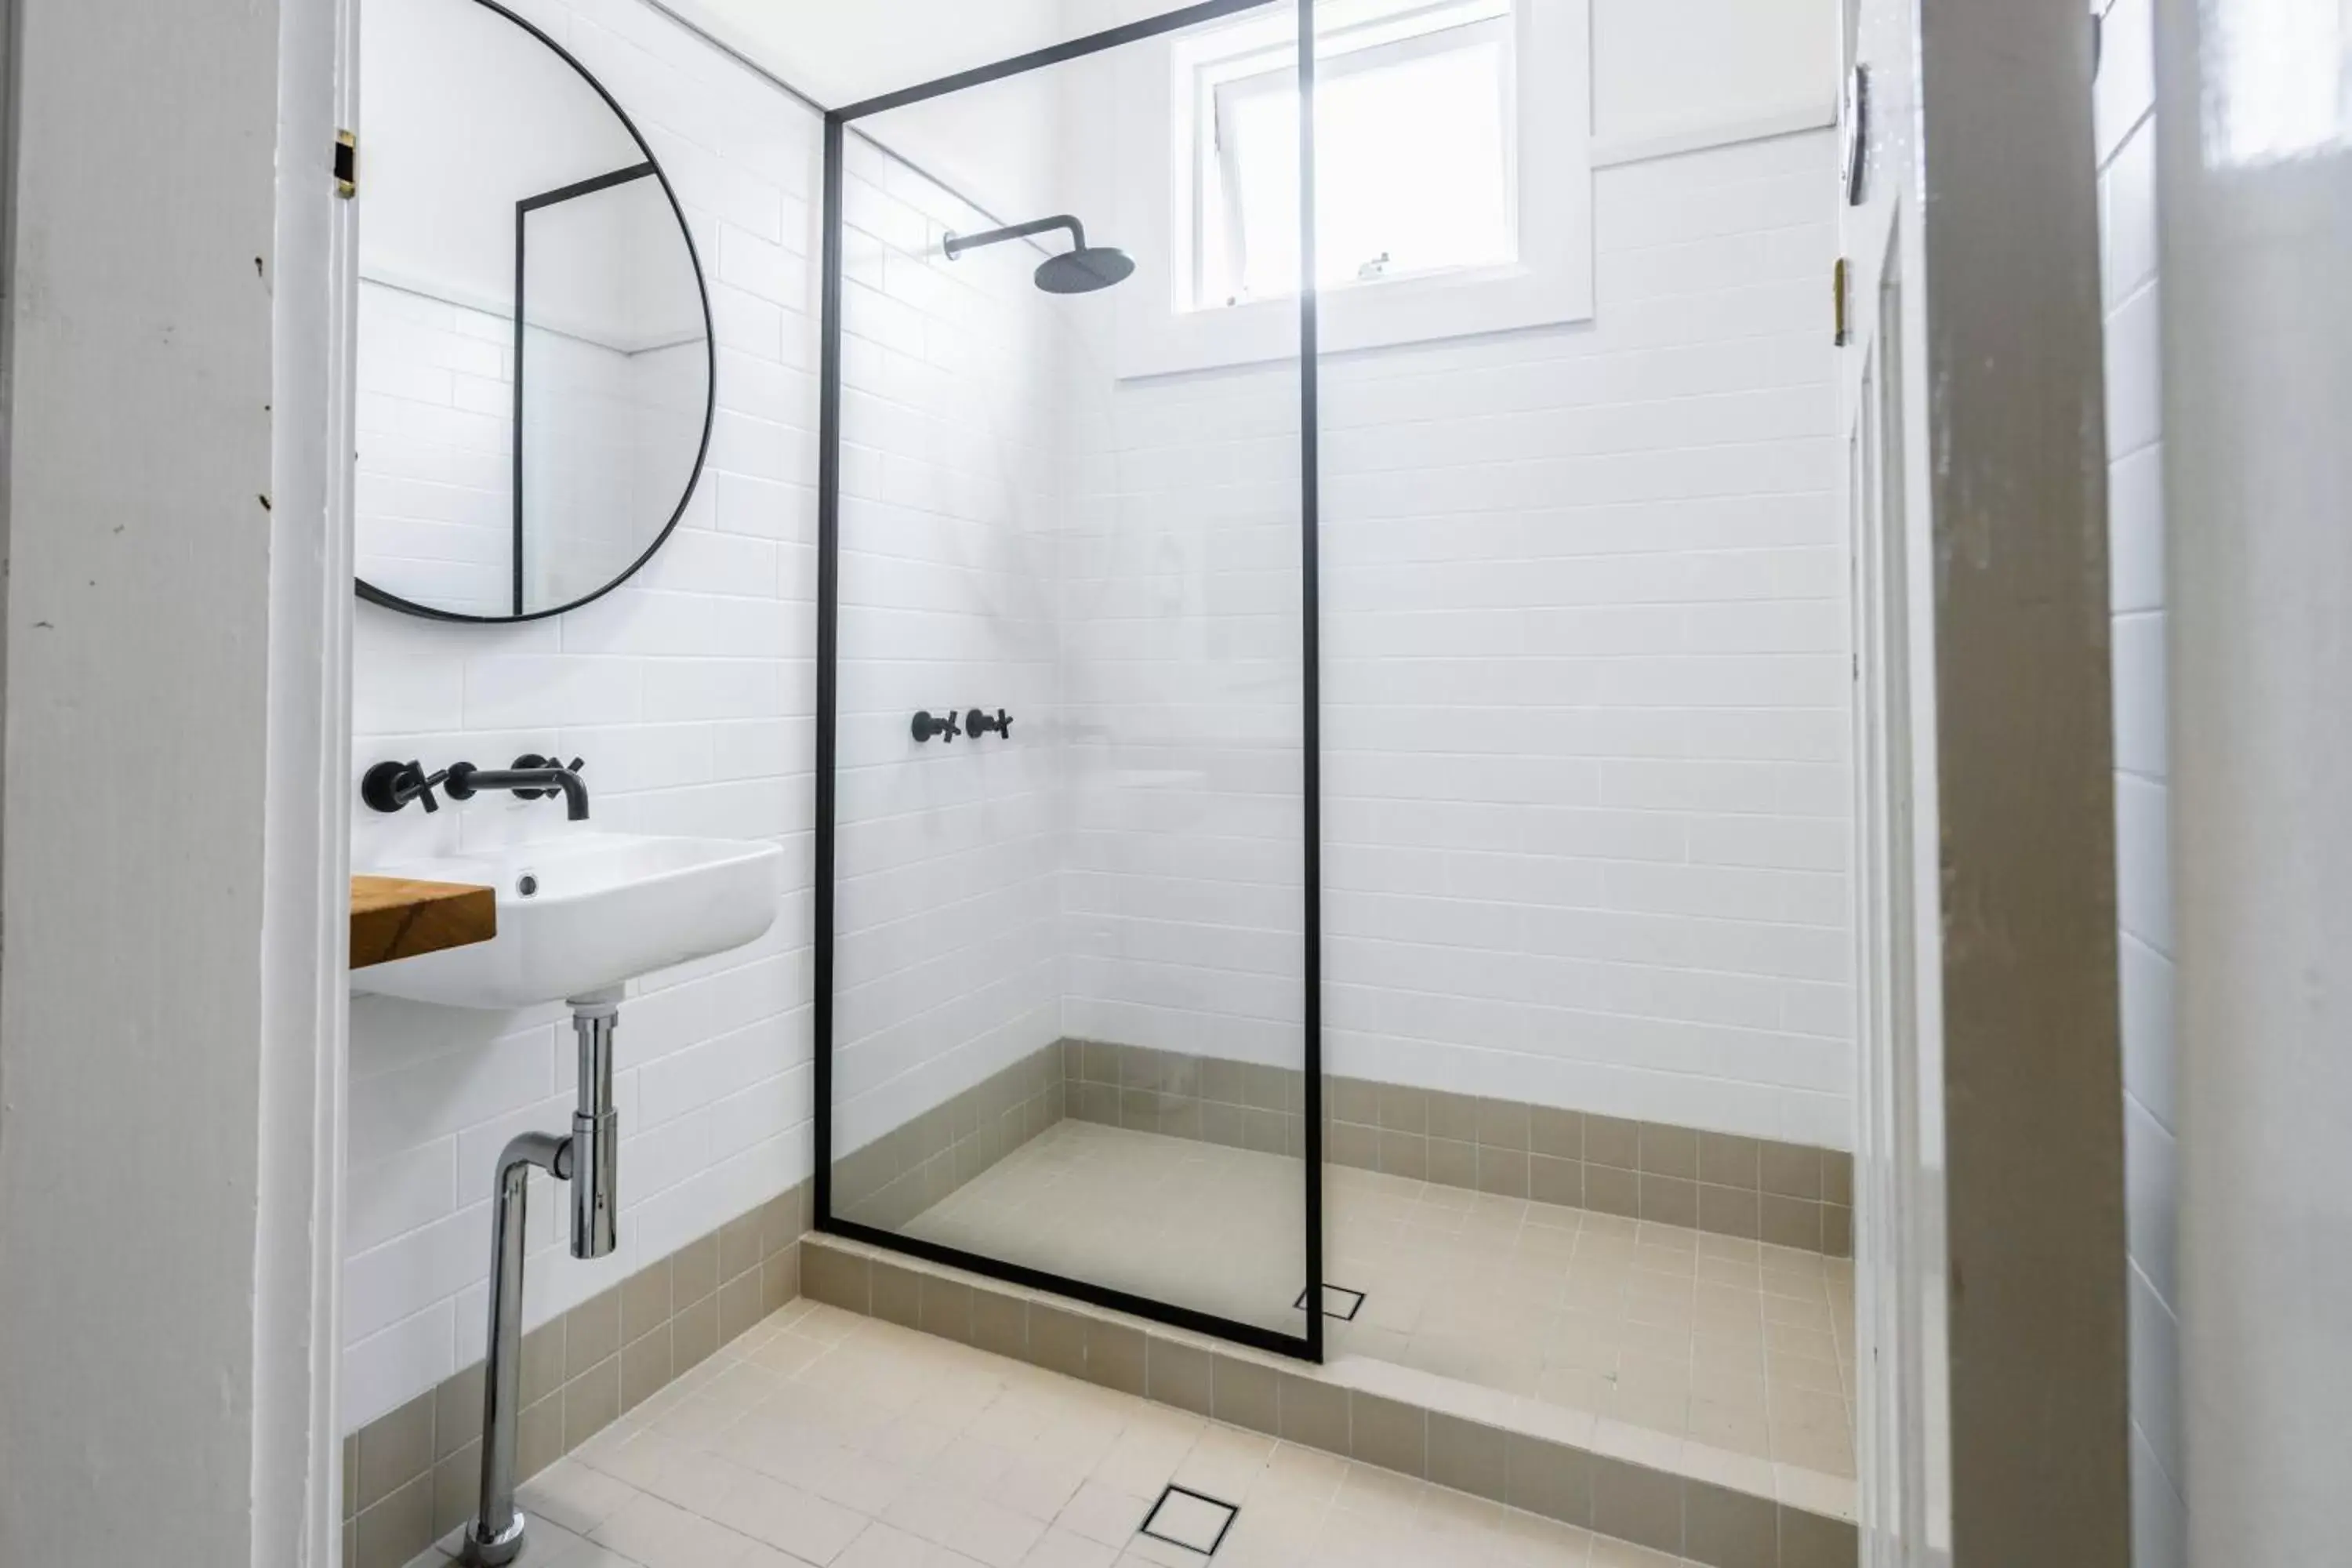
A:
[1220,1230]
[1738,1345]
[883,1449]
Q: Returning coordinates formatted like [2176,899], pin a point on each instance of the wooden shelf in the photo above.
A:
[395,918]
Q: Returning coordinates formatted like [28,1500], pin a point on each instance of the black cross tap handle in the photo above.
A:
[423,784]
[925,727]
[980,723]
[388,786]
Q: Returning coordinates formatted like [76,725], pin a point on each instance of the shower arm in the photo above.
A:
[957,243]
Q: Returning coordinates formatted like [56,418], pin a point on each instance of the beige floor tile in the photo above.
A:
[1145,1459]
[1225,1464]
[977,1526]
[588,1554]
[883,1547]
[574,1496]
[1804,1371]
[1063,1549]
[1039,1485]
[807,1527]
[660,1534]
[1103,1513]
[1792,1339]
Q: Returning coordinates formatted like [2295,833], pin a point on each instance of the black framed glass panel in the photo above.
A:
[1069,1028]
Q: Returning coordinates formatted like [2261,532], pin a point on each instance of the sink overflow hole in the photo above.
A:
[526,885]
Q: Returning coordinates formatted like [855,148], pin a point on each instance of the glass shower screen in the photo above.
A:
[1065,817]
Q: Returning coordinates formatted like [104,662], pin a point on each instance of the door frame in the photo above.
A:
[298,1435]
[1996,1423]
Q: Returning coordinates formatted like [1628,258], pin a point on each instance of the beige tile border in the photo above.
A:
[413,1475]
[1724,1509]
[1786,1194]
[1212,1099]
[1789,1194]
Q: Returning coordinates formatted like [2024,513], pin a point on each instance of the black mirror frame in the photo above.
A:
[375,595]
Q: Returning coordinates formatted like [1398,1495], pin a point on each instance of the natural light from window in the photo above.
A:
[1416,172]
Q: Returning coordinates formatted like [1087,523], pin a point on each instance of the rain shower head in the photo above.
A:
[1081,269]
[1084,270]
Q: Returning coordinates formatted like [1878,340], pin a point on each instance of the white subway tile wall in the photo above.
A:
[1587,676]
[946,970]
[1184,911]
[2126,142]
[1585,686]
[690,693]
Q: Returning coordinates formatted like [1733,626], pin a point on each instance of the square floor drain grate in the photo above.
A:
[1338,1302]
[1187,1518]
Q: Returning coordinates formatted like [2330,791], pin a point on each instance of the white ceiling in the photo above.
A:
[997,145]
[839,51]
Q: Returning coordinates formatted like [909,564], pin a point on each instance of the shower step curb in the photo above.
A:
[1713,1507]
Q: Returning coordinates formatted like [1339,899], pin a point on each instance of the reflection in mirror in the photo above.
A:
[534,341]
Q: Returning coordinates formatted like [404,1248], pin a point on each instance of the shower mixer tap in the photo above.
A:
[979,723]
[925,727]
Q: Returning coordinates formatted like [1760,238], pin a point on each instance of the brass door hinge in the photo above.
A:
[1838,292]
[347,165]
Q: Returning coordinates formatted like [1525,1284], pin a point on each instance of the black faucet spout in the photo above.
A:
[530,778]
[575,791]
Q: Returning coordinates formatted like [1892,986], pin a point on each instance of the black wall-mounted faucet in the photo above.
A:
[532,777]
[980,723]
[925,727]
[388,786]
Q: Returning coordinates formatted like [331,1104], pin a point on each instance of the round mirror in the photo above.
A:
[535,359]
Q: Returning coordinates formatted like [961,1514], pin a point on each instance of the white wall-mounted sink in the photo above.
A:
[583,913]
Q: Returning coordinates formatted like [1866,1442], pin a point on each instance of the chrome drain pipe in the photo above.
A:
[595,1131]
[590,1161]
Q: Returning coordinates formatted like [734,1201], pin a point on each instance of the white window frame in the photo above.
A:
[1168,88]
[1371,45]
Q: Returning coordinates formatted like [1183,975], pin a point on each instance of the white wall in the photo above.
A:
[1183,910]
[2254,167]
[1587,676]
[689,693]
[2127,208]
[1585,689]
[1673,66]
